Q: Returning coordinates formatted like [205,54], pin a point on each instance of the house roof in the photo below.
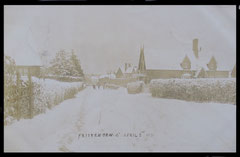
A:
[27,58]
[201,61]
[156,59]
[128,70]
[198,72]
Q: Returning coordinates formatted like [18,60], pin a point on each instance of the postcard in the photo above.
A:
[127,78]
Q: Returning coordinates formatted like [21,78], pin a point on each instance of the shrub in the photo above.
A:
[201,90]
[49,93]
[135,87]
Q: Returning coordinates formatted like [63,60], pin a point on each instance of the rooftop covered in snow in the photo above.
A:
[26,57]
[157,59]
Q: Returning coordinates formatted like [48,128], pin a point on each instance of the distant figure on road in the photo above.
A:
[104,85]
[94,86]
[98,84]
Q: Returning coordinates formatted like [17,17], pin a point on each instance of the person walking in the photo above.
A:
[98,85]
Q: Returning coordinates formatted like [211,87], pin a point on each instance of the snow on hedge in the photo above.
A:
[65,78]
[49,93]
[135,87]
[45,94]
[201,90]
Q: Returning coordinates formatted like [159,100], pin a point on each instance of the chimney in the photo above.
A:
[126,66]
[195,47]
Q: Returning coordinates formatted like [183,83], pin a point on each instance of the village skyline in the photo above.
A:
[105,38]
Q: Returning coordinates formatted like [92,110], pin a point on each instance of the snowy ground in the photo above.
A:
[164,125]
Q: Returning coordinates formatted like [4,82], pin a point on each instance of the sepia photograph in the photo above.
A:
[126,78]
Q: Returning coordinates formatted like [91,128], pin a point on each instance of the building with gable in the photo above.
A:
[196,64]
[28,63]
[126,71]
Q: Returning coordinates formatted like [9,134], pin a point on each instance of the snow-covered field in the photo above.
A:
[164,125]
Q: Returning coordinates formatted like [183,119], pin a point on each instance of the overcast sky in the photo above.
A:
[105,37]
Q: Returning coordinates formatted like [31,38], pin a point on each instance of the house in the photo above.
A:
[153,73]
[197,63]
[205,65]
[126,71]
[198,60]
[28,62]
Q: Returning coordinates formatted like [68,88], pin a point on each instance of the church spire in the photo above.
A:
[141,64]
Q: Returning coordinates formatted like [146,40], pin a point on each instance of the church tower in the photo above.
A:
[141,64]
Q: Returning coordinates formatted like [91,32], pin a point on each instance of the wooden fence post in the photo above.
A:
[30,95]
[18,97]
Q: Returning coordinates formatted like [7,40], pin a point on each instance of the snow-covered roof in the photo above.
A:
[200,62]
[156,59]
[135,68]
[128,70]
[198,72]
[27,58]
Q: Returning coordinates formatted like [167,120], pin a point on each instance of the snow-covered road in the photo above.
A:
[79,124]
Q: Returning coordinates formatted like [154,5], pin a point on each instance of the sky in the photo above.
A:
[105,37]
